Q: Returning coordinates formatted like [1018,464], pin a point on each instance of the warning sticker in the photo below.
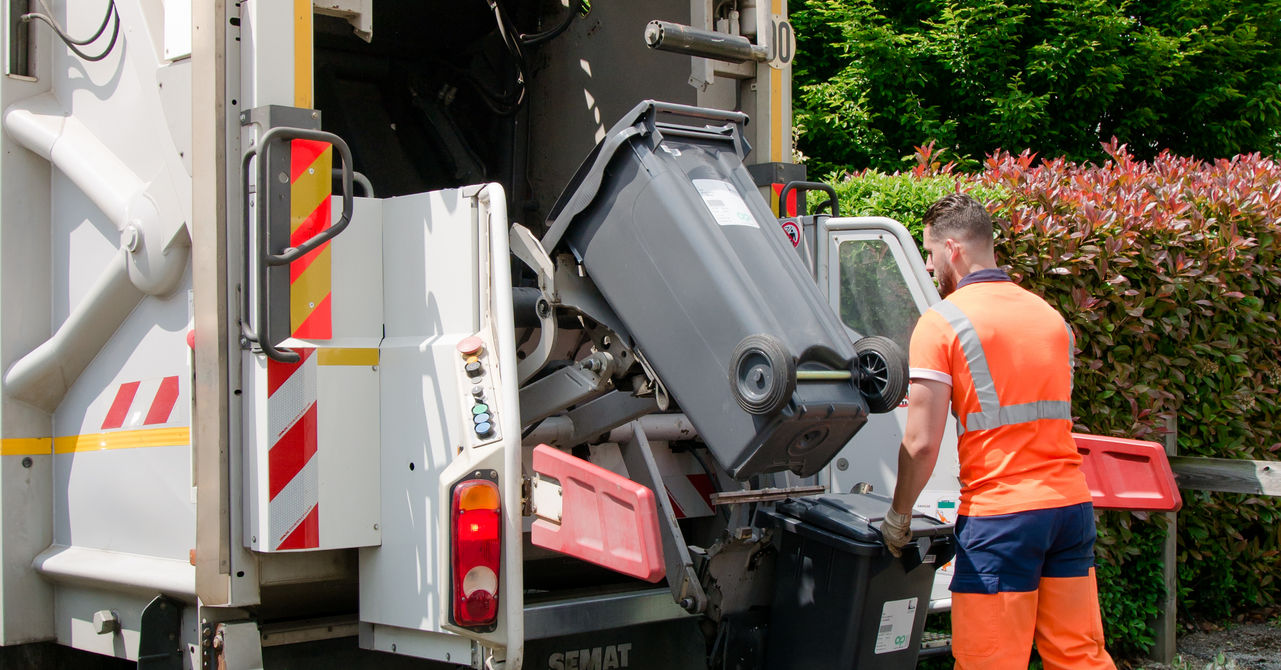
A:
[895,632]
[793,231]
[725,203]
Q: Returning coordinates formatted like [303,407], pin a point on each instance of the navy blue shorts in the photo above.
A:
[1012,552]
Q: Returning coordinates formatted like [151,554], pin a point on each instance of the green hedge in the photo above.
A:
[1168,272]
[874,77]
[904,196]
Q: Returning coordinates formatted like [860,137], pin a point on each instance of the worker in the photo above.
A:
[1002,357]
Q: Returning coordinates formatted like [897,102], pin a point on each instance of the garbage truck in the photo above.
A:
[355,333]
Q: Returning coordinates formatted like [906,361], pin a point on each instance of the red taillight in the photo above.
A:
[476,541]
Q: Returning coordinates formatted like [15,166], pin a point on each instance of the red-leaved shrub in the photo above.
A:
[1168,271]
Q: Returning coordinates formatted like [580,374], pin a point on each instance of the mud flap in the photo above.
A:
[160,634]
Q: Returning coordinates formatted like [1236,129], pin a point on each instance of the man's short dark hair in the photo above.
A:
[961,217]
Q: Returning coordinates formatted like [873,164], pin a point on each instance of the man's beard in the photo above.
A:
[946,280]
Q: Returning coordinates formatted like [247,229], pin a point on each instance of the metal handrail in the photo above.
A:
[257,246]
[802,188]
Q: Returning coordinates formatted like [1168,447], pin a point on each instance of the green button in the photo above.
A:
[479,408]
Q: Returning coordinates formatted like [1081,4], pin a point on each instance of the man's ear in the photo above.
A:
[952,248]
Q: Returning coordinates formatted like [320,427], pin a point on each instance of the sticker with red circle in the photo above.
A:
[793,230]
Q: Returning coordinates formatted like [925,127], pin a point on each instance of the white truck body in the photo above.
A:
[156,460]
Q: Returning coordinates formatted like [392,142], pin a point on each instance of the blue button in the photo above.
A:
[480,418]
[484,429]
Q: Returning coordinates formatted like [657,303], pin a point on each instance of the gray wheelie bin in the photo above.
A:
[841,600]
[666,221]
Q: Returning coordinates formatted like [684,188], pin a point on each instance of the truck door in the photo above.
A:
[875,280]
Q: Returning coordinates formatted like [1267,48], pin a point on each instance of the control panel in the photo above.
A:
[479,386]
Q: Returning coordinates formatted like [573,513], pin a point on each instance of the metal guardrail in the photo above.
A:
[1227,475]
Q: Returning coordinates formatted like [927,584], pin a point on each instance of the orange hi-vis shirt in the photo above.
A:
[1008,356]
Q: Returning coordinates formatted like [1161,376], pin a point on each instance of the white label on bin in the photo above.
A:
[725,203]
[897,617]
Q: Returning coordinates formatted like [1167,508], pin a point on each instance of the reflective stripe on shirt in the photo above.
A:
[992,414]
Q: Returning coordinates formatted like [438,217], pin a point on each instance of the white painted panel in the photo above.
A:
[177,29]
[357,258]
[254,443]
[135,501]
[430,297]
[349,435]
[347,397]
[267,59]
[150,345]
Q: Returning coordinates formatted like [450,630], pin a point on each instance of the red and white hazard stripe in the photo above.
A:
[292,465]
[148,402]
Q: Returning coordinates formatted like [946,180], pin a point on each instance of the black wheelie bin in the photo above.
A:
[666,221]
[841,600]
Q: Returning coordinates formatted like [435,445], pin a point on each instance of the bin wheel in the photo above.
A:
[761,374]
[881,370]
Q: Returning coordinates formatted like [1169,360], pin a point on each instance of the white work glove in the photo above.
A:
[896,530]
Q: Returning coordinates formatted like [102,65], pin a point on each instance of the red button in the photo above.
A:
[471,346]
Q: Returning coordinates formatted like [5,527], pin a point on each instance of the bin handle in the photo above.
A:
[689,111]
[736,121]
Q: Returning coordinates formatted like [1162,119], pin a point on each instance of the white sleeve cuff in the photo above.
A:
[930,375]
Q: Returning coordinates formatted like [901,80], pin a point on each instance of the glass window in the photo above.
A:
[875,299]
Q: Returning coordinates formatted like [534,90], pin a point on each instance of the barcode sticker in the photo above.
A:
[725,203]
[895,631]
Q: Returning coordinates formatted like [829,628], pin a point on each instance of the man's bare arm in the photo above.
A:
[926,419]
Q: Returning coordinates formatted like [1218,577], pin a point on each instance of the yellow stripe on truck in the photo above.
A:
[347,356]
[302,53]
[777,128]
[123,439]
[25,446]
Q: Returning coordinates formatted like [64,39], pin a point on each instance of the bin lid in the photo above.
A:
[856,516]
